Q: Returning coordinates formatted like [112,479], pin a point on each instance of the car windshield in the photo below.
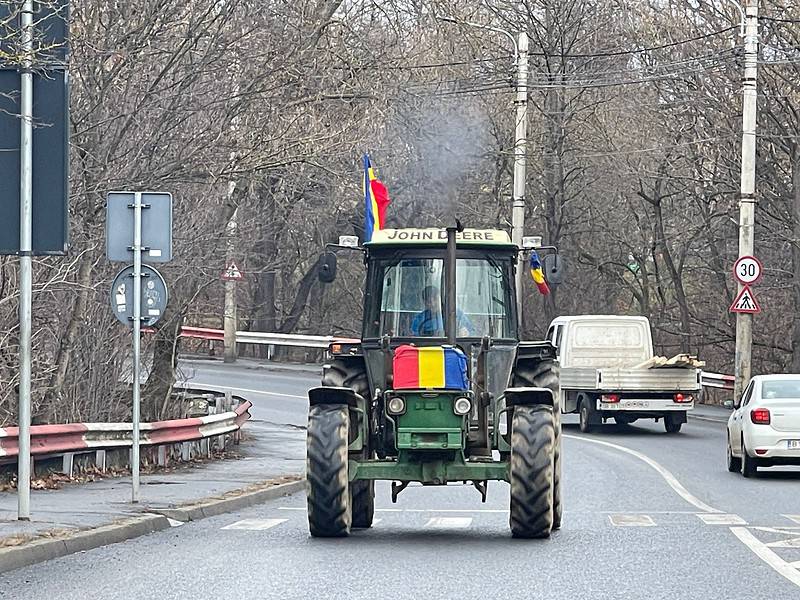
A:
[412,299]
[781,389]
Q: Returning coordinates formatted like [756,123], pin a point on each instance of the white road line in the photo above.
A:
[255,524]
[620,520]
[213,387]
[795,518]
[781,530]
[721,519]
[449,522]
[790,543]
[671,480]
[767,555]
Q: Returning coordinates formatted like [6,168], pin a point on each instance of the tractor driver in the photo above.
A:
[429,322]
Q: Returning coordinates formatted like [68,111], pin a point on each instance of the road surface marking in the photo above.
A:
[781,530]
[213,387]
[768,556]
[174,523]
[631,520]
[721,519]
[671,480]
[449,522]
[790,543]
[255,524]
[795,518]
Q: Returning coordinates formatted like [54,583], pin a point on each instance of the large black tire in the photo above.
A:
[585,411]
[672,424]
[362,503]
[734,463]
[326,470]
[352,374]
[545,373]
[532,472]
[749,465]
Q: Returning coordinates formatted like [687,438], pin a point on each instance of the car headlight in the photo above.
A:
[462,406]
[396,406]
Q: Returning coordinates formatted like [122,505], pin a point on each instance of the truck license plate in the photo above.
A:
[794,444]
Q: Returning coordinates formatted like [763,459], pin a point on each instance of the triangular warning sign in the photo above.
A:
[231,272]
[745,302]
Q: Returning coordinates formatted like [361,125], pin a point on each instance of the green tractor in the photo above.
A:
[440,389]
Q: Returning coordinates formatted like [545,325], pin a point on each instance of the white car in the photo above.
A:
[764,429]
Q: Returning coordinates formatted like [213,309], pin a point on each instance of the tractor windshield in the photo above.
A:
[411,302]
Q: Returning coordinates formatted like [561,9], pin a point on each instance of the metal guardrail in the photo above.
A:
[263,338]
[76,437]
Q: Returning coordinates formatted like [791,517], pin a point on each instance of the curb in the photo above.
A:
[40,550]
[708,419]
[43,549]
[220,506]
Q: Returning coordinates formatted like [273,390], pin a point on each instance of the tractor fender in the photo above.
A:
[342,396]
[529,396]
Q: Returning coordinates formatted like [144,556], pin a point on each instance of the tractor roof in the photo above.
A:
[438,237]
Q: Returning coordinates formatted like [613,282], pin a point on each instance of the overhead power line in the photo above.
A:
[604,53]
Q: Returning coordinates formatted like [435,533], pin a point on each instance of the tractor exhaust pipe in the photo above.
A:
[451,328]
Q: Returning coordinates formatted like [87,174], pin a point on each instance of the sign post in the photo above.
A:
[151,241]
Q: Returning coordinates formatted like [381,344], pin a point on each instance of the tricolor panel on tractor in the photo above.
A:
[440,390]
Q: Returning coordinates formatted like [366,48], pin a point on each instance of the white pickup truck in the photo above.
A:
[607,370]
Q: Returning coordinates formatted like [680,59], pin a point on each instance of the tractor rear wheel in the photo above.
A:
[545,373]
[532,472]
[362,503]
[352,374]
[328,493]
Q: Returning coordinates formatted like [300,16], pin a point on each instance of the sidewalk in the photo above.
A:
[270,455]
[710,412]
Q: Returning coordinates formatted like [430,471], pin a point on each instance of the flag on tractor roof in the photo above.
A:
[538,274]
[376,199]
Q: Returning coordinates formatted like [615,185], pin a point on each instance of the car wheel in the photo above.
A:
[734,463]
[749,464]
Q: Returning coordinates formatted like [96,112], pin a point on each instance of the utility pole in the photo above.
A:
[230,319]
[520,137]
[25,264]
[520,149]
[747,201]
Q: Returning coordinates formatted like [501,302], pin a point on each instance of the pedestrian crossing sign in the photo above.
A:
[231,272]
[745,302]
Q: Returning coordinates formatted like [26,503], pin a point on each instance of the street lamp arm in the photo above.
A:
[740,8]
[481,26]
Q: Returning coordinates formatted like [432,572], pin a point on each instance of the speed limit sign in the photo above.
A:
[747,270]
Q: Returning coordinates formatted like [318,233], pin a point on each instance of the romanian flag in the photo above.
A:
[376,199]
[538,274]
[434,367]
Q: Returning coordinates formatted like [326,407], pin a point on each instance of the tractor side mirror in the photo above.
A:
[326,272]
[554,269]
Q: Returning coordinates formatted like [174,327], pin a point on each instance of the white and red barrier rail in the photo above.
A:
[717,380]
[74,437]
[263,338]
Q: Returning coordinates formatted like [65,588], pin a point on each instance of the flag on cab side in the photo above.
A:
[376,199]
[538,274]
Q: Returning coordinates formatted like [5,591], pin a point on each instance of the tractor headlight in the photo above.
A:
[396,406]
[462,406]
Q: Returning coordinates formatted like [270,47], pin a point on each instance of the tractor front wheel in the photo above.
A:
[326,471]
[362,503]
[532,472]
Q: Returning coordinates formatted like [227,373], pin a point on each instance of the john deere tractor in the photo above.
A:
[440,389]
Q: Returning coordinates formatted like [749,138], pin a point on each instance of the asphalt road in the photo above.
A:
[648,516]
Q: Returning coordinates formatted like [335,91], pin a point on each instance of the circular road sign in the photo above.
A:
[154,296]
[747,270]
